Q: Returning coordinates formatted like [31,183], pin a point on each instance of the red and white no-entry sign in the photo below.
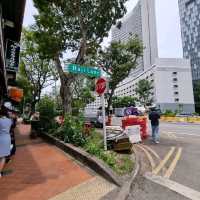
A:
[100,86]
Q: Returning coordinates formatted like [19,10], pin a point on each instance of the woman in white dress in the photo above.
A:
[5,139]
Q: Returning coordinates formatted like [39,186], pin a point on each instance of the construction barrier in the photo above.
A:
[136,120]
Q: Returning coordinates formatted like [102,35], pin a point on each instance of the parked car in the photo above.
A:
[184,115]
[94,117]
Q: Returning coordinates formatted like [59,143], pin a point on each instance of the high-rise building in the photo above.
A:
[167,76]
[190,29]
[141,22]
[170,78]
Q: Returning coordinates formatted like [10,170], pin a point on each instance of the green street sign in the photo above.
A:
[78,69]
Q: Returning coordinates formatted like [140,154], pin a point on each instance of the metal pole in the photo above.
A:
[23,105]
[55,90]
[104,121]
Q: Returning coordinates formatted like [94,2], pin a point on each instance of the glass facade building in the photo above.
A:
[190,30]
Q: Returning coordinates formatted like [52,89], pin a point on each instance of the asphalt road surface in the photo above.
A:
[171,169]
[187,138]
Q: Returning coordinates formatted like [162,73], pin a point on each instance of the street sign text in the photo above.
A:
[78,69]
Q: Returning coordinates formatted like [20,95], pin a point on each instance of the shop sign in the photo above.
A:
[12,55]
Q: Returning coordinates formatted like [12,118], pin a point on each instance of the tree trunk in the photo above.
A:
[33,107]
[33,104]
[66,95]
[68,79]
[65,89]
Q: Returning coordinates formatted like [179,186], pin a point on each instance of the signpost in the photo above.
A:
[100,89]
[78,69]
[100,86]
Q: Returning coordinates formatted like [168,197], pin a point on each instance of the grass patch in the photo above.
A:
[120,163]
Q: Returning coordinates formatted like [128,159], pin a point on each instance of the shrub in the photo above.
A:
[94,144]
[169,113]
[122,164]
[195,114]
[72,130]
[120,102]
[46,107]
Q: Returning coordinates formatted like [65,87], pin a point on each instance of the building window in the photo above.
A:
[188,3]
[175,79]
[174,73]
[175,86]
[176,93]
[176,100]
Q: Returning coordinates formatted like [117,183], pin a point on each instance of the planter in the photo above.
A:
[91,161]
[98,166]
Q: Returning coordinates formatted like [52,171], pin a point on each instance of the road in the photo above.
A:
[187,138]
[171,169]
[175,161]
[181,128]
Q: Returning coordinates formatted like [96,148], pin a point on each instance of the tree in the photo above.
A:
[197,96]
[81,102]
[82,94]
[46,108]
[74,25]
[120,102]
[23,82]
[143,90]
[117,61]
[35,72]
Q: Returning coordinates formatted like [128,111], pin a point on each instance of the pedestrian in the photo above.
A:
[13,117]
[12,114]
[5,138]
[154,117]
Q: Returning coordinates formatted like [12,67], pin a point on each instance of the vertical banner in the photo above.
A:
[12,55]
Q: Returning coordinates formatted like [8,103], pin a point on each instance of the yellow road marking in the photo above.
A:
[173,164]
[163,162]
[152,151]
[148,156]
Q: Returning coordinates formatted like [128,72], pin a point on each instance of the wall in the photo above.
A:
[167,95]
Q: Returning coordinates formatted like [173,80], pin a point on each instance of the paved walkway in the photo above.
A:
[41,171]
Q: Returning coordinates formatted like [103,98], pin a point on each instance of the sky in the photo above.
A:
[167,20]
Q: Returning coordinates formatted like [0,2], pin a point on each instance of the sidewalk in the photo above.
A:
[41,171]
